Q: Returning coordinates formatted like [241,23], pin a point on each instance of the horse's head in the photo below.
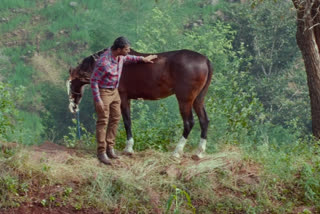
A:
[80,76]
[75,87]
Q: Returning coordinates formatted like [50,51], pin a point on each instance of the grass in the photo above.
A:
[14,23]
[232,180]
[11,4]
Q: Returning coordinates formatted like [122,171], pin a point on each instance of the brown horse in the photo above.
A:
[185,73]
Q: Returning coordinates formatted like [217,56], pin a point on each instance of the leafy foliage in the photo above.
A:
[9,186]
[162,29]
[269,35]
[85,140]
[175,198]
[8,110]
[154,125]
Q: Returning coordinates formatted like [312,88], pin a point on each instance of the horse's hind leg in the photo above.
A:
[204,122]
[188,122]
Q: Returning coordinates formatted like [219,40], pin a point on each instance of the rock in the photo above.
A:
[173,172]
[18,10]
[73,4]
[199,22]
[219,13]
[3,19]
[214,2]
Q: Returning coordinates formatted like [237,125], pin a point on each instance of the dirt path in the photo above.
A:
[55,153]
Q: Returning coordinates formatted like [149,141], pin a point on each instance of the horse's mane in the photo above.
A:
[88,62]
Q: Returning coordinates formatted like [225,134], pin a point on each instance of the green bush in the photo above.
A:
[84,139]
[8,110]
[153,125]
[9,187]
[310,182]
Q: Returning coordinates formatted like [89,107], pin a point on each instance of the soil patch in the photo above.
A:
[52,151]
[50,147]
[35,209]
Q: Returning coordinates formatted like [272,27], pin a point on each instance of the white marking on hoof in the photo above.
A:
[176,155]
[73,107]
[128,149]
[201,150]
[179,148]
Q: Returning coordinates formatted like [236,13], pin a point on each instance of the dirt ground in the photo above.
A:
[58,153]
[244,173]
[36,209]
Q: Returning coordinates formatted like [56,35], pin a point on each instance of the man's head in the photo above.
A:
[121,46]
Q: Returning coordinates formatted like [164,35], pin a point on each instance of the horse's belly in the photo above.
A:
[149,94]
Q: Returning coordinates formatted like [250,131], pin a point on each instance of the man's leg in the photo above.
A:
[102,121]
[114,118]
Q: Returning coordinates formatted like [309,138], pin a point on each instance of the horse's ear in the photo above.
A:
[70,70]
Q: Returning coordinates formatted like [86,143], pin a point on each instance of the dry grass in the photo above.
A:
[47,70]
[142,183]
[219,183]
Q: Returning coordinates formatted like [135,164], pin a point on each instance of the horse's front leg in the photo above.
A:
[125,111]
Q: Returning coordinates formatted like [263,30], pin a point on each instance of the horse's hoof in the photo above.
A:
[128,152]
[176,155]
[197,157]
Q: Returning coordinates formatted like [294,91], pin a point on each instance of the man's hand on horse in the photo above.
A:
[149,58]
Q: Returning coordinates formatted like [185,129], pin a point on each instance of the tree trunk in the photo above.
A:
[308,40]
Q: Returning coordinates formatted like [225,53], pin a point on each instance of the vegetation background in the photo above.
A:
[258,105]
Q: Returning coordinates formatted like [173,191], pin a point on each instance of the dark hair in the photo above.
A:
[120,42]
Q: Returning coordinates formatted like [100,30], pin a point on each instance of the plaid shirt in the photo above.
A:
[107,72]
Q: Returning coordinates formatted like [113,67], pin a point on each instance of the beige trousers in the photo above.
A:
[108,120]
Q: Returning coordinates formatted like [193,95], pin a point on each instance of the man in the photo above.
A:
[104,84]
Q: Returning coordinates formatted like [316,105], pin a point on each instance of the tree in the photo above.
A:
[308,40]
[268,32]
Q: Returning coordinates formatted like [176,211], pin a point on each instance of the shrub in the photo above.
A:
[8,110]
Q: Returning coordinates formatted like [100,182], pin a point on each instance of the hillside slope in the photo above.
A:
[54,179]
[50,177]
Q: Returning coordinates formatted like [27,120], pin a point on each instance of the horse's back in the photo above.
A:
[188,61]
[175,72]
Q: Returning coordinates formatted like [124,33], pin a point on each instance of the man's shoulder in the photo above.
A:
[106,53]
[105,57]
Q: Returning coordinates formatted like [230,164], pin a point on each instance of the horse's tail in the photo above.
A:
[204,90]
